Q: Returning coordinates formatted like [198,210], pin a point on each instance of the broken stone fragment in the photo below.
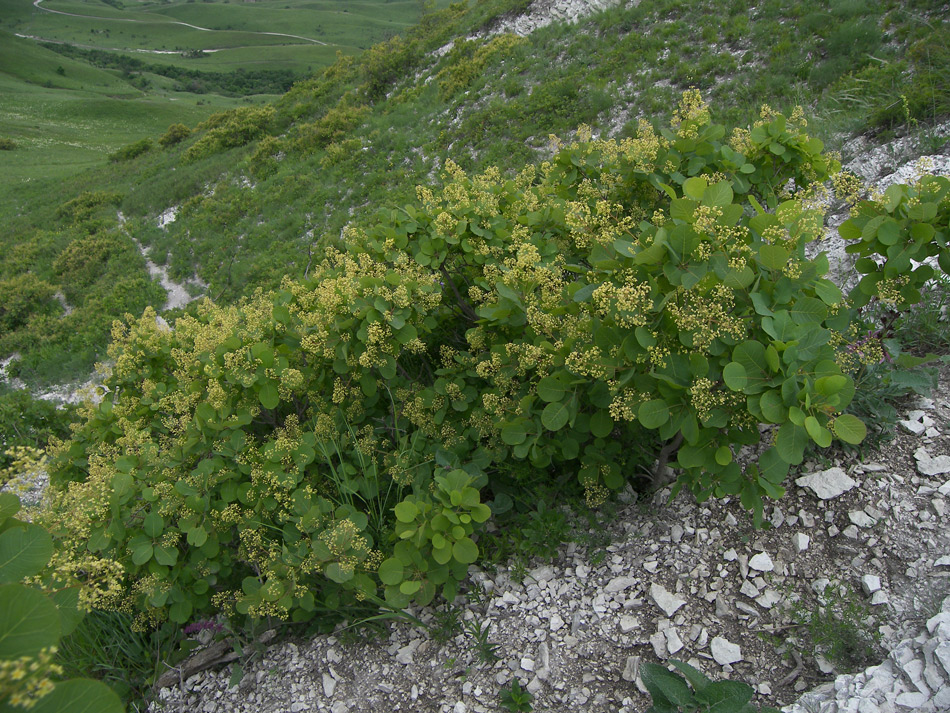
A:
[762,562]
[668,602]
[927,465]
[861,518]
[800,541]
[870,583]
[827,484]
[724,652]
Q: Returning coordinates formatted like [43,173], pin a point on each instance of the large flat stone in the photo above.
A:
[827,484]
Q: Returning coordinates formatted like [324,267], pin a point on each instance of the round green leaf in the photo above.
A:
[849,428]
[24,550]
[555,416]
[180,612]
[29,621]
[601,425]
[269,395]
[773,408]
[808,310]
[551,390]
[653,414]
[9,505]
[443,554]
[465,551]
[772,467]
[410,587]
[141,549]
[773,257]
[153,524]
[735,376]
[406,511]
[514,434]
[80,695]
[694,187]
[790,441]
[165,555]
[723,455]
[197,536]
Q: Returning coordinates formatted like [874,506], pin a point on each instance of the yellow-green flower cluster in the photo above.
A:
[706,316]
[25,680]
[691,112]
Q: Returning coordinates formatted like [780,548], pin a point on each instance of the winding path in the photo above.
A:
[38,6]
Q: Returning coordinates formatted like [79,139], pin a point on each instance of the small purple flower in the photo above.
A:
[199,626]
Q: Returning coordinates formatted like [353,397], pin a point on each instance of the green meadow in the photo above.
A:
[67,112]
[65,116]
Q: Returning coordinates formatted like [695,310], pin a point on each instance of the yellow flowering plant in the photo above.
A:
[332,442]
[897,236]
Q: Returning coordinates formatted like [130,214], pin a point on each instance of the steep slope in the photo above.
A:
[260,195]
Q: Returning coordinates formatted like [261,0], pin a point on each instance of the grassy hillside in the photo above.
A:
[215,36]
[261,193]
[81,79]
[64,115]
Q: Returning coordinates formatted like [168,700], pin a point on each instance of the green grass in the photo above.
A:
[61,132]
[271,33]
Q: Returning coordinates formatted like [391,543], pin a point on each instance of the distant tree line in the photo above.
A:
[240,82]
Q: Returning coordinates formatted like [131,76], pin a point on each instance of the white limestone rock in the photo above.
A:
[800,541]
[861,518]
[762,562]
[870,583]
[827,484]
[665,600]
[725,652]
[619,584]
[926,465]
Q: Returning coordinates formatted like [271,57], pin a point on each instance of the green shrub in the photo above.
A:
[26,422]
[7,144]
[87,204]
[230,129]
[127,153]
[332,441]
[467,61]
[176,134]
[21,297]
[333,126]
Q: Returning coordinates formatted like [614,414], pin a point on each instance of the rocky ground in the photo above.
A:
[855,561]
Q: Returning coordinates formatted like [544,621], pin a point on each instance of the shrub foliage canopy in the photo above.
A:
[334,440]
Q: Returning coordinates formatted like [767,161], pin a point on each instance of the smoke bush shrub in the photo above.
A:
[332,441]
